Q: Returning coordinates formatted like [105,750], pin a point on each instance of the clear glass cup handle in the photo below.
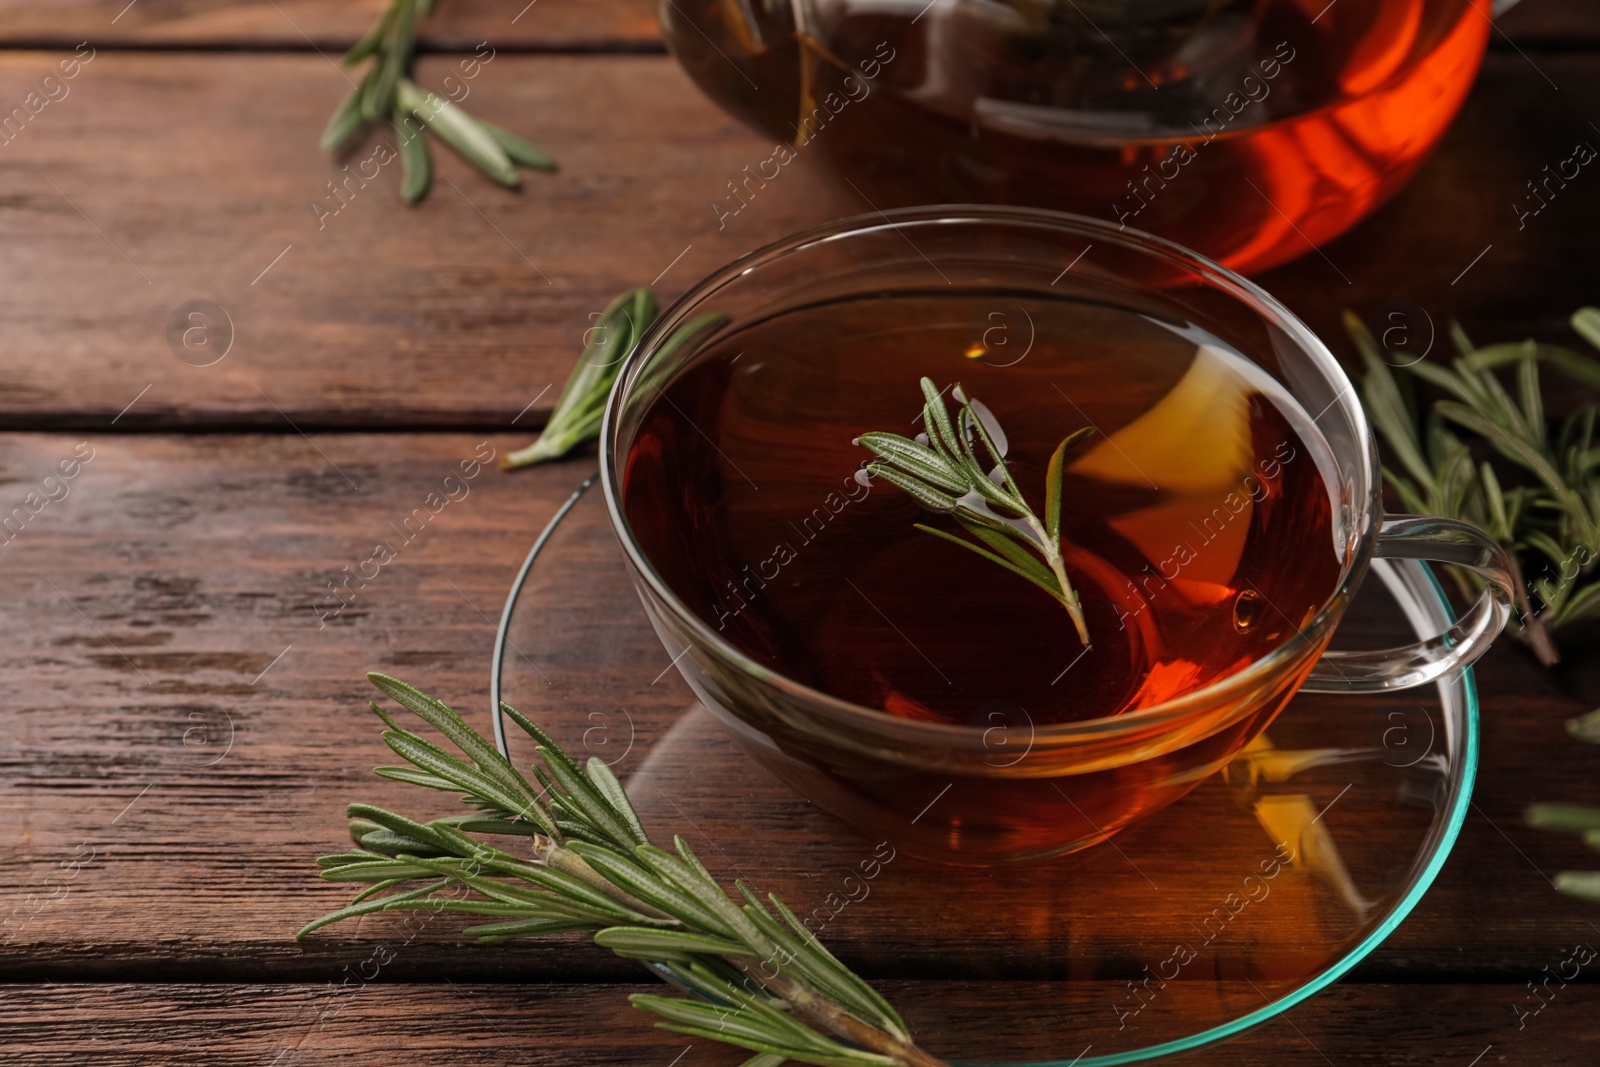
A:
[1439,541]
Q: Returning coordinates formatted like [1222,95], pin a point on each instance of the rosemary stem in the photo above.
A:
[1058,566]
[834,1018]
[566,861]
[1530,630]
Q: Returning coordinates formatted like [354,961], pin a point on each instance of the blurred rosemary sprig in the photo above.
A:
[1548,519]
[1574,818]
[387,92]
[758,978]
[941,471]
[606,345]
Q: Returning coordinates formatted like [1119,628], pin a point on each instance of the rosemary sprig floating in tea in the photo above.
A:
[387,92]
[607,344]
[761,980]
[941,471]
[1549,519]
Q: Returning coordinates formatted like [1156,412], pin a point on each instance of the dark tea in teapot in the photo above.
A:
[1248,130]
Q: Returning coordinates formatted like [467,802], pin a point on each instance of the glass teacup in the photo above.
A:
[1006,787]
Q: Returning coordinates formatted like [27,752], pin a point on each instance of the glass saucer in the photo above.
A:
[1261,887]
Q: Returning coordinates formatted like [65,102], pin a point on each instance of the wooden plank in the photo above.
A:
[329,26]
[463,311]
[185,726]
[333,26]
[290,1025]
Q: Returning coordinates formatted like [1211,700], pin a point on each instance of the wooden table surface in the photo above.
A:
[182,724]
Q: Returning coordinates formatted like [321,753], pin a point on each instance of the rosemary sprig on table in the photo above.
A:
[387,92]
[760,980]
[577,414]
[607,344]
[1574,818]
[941,471]
[1549,518]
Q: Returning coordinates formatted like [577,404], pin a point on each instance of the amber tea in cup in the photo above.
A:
[1197,523]
[1214,522]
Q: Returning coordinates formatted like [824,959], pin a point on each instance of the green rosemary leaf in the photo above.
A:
[1502,441]
[1052,483]
[924,494]
[987,427]
[709,895]
[435,761]
[818,970]
[579,830]
[1586,728]
[763,1059]
[1582,884]
[443,718]
[365,47]
[703,1020]
[1006,544]
[642,942]
[521,152]
[1456,481]
[980,482]
[936,419]
[508,931]
[416,162]
[1581,607]
[1410,499]
[388,843]
[375,871]
[578,412]
[1571,818]
[1500,519]
[916,460]
[990,556]
[394,56]
[355,855]
[686,854]
[1528,393]
[397,825]
[458,130]
[581,797]
[388,903]
[579,892]
[548,748]
[378,887]
[643,884]
[606,784]
[346,120]
[1586,321]
[1389,411]
[746,1015]
[550,906]
[501,908]
[412,776]
[896,1025]
[491,824]
[1462,389]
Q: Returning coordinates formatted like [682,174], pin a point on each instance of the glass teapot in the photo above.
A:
[1248,130]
